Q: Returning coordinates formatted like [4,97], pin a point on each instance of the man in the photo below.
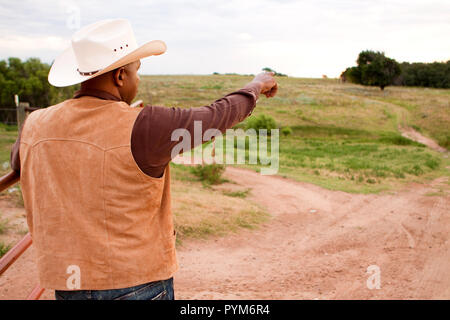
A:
[94,171]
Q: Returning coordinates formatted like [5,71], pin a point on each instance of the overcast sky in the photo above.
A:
[306,38]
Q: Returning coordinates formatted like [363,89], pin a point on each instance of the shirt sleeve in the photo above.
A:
[151,139]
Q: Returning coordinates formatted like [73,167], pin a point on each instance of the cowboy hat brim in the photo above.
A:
[64,69]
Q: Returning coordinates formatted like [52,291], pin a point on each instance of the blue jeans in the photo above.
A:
[157,290]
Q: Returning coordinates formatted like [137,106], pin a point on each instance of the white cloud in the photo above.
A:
[44,47]
[15,43]
[244,36]
[300,38]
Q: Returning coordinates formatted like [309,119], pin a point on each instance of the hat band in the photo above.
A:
[87,73]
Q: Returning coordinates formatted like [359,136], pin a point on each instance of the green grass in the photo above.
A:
[201,211]
[436,193]
[8,135]
[354,160]
[209,174]
[356,164]
[237,194]
[344,137]
[424,109]
[248,219]
[3,226]
[4,248]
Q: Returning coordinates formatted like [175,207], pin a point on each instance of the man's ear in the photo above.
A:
[119,76]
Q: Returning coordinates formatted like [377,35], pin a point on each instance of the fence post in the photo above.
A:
[21,115]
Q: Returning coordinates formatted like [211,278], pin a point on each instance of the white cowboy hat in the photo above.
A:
[99,48]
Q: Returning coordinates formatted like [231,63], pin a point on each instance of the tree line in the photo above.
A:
[375,69]
[28,79]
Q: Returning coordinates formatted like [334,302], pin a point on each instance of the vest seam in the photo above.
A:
[141,172]
[116,147]
[105,211]
[65,139]
[107,102]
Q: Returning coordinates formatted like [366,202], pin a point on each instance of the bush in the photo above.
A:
[286,131]
[209,173]
[28,79]
[416,170]
[261,122]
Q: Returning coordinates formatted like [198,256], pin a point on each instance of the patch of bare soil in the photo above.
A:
[412,134]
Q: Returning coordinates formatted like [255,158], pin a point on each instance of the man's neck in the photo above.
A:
[96,92]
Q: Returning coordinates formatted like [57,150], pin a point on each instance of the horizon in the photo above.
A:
[234,73]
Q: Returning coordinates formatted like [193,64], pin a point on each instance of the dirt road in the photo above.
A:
[317,245]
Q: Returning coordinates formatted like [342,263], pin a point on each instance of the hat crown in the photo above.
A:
[97,49]
[100,44]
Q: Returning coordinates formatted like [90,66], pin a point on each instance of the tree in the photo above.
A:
[28,79]
[276,73]
[352,74]
[373,69]
[377,69]
[436,74]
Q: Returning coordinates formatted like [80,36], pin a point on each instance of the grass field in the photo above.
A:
[345,137]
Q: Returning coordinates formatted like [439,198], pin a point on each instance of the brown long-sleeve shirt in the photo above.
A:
[151,142]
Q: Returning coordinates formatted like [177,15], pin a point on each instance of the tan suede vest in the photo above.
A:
[91,211]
